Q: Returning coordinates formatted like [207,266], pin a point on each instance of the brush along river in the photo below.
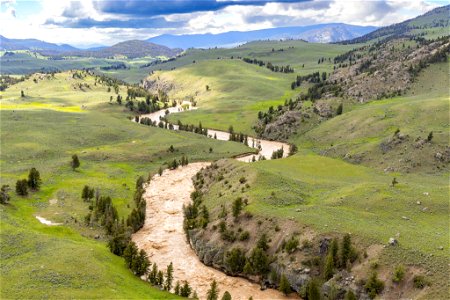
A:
[163,237]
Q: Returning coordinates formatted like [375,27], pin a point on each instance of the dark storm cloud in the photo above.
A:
[156,22]
[161,7]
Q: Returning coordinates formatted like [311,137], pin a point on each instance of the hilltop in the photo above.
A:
[432,24]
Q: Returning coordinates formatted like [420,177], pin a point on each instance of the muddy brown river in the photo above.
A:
[163,237]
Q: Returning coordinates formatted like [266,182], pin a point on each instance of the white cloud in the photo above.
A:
[242,18]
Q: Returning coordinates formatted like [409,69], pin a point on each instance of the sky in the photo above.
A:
[90,23]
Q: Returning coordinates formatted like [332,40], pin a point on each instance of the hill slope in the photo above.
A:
[433,23]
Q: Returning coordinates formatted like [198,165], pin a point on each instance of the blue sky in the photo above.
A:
[91,22]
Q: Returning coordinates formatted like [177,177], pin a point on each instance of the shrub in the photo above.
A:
[237,207]
[291,245]
[399,274]
[242,180]
[244,236]
[419,281]
[350,295]
[262,242]
[374,286]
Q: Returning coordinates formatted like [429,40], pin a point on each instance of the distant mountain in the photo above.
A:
[130,49]
[322,33]
[438,17]
[32,44]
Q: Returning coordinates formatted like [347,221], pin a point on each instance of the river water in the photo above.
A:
[163,237]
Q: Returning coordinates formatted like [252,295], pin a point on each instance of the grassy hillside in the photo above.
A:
[239,90]
[430,25]
[329,195]
[54,120]
[360,134]
[293,53]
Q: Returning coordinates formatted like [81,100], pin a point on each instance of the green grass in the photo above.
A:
[39,131]
[237,92]
[331,195]
[39,261]
[295,54]
[363,128]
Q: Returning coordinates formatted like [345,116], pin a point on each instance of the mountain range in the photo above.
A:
[321,33]
[170,45]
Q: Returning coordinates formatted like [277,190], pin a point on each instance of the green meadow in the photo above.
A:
[54,120]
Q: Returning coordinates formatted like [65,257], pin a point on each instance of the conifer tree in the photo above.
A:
[22,187]
[75,163]
[34,179]
[284,287]
[213,292]
[169,277]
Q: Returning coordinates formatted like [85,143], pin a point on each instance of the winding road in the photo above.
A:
[163,237]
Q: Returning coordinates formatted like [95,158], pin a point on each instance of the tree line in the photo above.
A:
[269,65]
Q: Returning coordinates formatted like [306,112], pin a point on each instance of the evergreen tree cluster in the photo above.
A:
[33,183]
[196,215]
[256,263]
[278,153]
[311,78]
[269,65]
[192,128]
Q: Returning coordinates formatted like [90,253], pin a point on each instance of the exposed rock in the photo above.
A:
[393,242]
[323,109]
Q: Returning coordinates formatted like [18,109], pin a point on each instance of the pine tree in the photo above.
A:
[169,277]
[237,207]
[177,288]
[22,187]
[152,276]
[34,179]
[226,296]
[160,171]
[213,292]
[4,196]
[130,253]
[430,136]
[75,162]
[329,266]
[262,242]
[334,249]
[313,292]
[185,290]
[285,286]
[346,249]
[140,264]
[339,109]
[85,193]
[160,278]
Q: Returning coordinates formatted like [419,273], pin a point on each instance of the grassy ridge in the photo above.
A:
[39,131]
